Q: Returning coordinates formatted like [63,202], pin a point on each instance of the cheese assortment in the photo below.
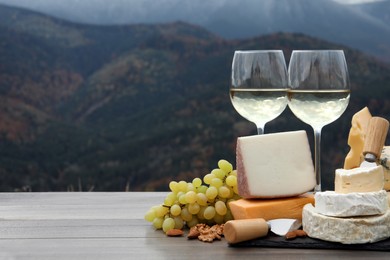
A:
[274,165]
[358,210]
[385,162]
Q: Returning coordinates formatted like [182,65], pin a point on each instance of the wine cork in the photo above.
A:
[240,230]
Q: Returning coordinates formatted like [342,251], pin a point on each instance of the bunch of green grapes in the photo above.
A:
[190,203]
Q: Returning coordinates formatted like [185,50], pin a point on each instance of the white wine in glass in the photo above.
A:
[319,92]
[259,84]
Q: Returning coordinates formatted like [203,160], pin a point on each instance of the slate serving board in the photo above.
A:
[310,243]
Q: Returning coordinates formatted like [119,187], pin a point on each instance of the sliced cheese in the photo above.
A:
[359,179]
[385,162]
[356,230]
[356,138]
[270,208]
[330,203]
[274,165]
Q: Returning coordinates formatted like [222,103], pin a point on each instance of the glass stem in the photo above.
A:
[317,158]
[260,129]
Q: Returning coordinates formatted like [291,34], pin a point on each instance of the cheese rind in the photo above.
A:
[356,138]
[385,162]
[359,180]
[353,204]
[270,208]
[356,230]
[274,165]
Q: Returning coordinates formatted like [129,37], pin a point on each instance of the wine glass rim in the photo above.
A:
[257,51]
[333,50]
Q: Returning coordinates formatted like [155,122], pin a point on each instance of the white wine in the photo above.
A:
[259,105]
[319,107]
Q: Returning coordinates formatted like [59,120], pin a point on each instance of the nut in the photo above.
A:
[290,235]
[174,233]
[194,233]
[300,233]
[205,233]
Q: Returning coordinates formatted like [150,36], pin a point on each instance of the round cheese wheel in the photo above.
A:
[353,230]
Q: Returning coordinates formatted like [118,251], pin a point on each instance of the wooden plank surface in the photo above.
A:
[111,226]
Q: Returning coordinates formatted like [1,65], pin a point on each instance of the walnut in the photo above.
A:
[205,233]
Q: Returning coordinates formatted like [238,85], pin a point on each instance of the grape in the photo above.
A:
[182,199]
[185,214]
[157,223]
[200,214]
[224,192]
[173,185]
[208,177]
[211,192]
[150,215]
[220,208]
[218,219]
[193,222]
[202,189]
[190,197]
[209,212]
[201,199]
[161,211]
[182,185]
[220,174]
[234,172]
[231,180]
[193,208]
[197,182]
[168,224]
[175,210]
[235,189]
[216,182]
[228,216]
[190,187]
[179,223]
[170,199]
[225,166]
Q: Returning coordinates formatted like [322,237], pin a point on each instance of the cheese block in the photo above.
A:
[330,203]
[359,179]
[274,165]
[355,230]
[385,162]
[270,208]
[356,138]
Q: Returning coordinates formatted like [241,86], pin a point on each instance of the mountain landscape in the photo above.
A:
[363,26]
[131,107]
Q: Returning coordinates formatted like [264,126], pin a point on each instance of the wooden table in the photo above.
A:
[111,226]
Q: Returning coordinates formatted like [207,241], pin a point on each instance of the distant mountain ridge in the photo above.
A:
[362,26]
[111,108]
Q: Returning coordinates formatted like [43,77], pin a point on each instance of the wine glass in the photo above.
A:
[319,92]
[259,85]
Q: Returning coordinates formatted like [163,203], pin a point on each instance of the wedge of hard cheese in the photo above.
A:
[353,204]
[385,162]
[270,208]
[356,138]
[274,165]
[355,230]
[359,180]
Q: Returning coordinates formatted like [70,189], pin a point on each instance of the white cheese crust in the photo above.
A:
[274,165]
[356,230]
[359,179]
[330,203]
